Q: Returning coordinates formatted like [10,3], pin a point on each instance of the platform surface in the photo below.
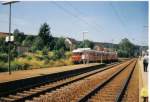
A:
[17,75]
[143,78]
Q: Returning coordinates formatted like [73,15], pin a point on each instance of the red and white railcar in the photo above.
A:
[86,54]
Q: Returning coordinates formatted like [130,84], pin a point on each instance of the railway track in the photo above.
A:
[81,90]
[113,90]
[132,92]
[41,89]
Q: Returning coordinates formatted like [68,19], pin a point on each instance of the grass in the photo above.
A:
[36,60]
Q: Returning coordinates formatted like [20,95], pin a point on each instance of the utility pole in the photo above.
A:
[84,32]
[9,37]
[112,45]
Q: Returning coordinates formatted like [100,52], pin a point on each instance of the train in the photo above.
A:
[87,55]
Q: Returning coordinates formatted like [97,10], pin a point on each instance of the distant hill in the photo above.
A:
[102,44]
[106,45]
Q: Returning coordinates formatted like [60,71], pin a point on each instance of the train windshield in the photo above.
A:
[77,53]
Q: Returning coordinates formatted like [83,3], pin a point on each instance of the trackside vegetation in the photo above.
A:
[44,50]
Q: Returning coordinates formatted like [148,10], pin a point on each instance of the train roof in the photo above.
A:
[90,50]
[86,50]
[81,49]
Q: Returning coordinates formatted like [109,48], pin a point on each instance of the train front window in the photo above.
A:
[77,53]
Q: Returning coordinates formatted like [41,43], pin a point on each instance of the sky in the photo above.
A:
[103,21]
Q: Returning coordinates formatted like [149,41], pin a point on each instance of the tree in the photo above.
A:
[38,44]
[28,40]
[45,51]
[86,44]
[19,36]
[58,54]
[126,48]
[45,34]
[3,46]
[60,44]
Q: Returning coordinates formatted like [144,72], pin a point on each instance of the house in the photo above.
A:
[3,34]
[20,49]
[98,48]
[71,43]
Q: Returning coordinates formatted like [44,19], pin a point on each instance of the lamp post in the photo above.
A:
[84,32]
[102,56]
[112,47]
[10,38]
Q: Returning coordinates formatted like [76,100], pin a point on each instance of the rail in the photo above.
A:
[124,86]
[58,86]
[99,86]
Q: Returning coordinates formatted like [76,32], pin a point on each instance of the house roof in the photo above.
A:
[73,41]
[3,34]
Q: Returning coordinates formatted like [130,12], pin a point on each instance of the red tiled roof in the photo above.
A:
[3,34]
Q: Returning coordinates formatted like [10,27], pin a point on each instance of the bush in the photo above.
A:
[58,54]
[46,59]
[3,66]
[23,55]
[68,54]
[3,57]
[25,66]
[39,58]
[45,51]
[15,65]
[29,58]
[39,53]
[14,53]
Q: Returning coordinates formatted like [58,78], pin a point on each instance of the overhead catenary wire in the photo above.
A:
[75,16]
[120,18]
[79,12]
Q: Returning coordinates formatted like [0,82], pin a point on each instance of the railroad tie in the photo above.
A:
[15,96]
[6,99]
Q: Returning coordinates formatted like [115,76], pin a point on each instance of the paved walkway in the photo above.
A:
[17,75]
[143,79]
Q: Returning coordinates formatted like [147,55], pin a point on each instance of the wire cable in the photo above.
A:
[75,15]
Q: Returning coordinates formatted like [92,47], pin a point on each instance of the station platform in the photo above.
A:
[143,80]
[18,75]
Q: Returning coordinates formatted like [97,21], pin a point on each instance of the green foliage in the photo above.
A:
[60,44]
[46,59]
[86,44]
[39,58]
[15,65]
[14,53]
[28,40]
[68,54]
[3,66]
[3,46]
[38,44]
[126,48]
[45,34]
[58,54]
[45,51]
[3,57]
[29,58]
[23,55]
[19,36]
